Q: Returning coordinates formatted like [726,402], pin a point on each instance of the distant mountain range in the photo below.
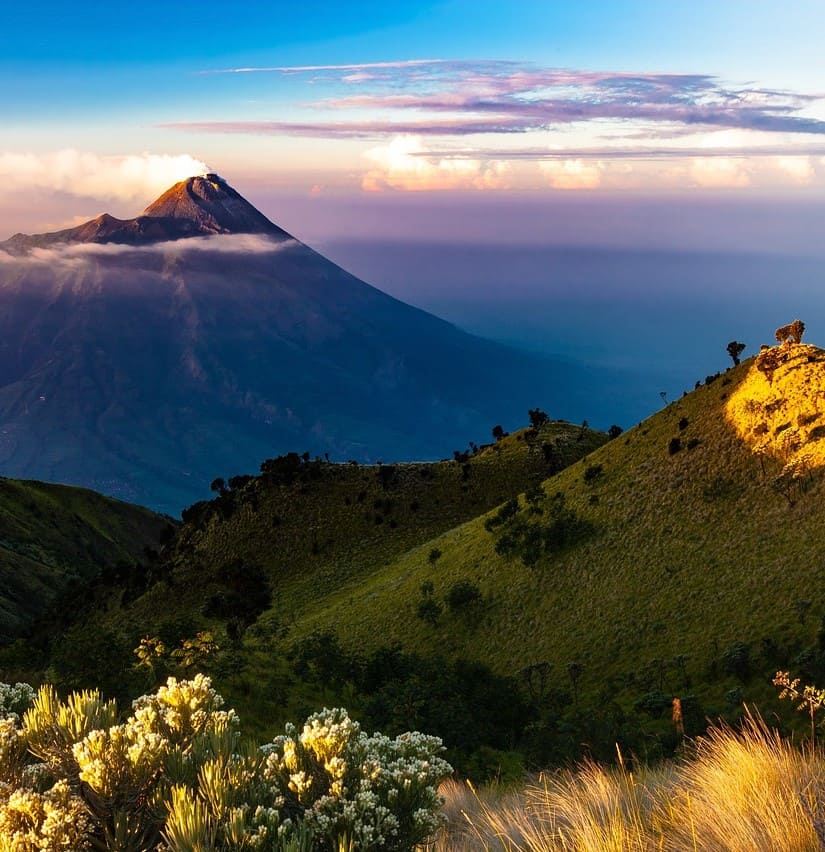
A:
[145,357]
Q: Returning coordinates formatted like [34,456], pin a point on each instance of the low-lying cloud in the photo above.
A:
[129,177]
[75,254]
[402,165]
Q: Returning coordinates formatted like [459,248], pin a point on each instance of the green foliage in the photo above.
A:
[736,660]
[530,539]
[462,595]
[429,610]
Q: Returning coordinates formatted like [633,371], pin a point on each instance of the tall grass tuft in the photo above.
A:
[737,791]
[749,790]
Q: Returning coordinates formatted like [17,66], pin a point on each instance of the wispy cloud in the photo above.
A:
[74,254]
[615,153]
[310,69]
[130,177]
[428,97]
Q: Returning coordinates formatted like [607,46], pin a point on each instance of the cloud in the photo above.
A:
[453,97]
[74,254]
[721,173]
[345,129]
[573,174]
[361,69]
[403,164]
[789,152]
[87,175]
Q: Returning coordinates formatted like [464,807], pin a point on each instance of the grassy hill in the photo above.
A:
[306,526]
[683,558]
[53,537]
[705,533]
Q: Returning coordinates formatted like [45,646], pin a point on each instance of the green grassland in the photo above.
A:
[54,537]
[691,552]
[685,557]
[321,527]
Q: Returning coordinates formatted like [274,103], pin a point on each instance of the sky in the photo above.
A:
[633,122]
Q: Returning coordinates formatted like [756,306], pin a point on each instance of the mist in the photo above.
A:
[662,318]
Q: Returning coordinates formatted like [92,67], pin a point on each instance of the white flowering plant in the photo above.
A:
[173,776]
[378,792]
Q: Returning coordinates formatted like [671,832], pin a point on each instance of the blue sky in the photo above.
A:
[325,106]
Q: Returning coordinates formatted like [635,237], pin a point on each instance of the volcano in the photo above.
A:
[145,357]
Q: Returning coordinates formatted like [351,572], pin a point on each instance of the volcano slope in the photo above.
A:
[137,357]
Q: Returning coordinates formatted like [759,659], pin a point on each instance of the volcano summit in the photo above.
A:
[144,357]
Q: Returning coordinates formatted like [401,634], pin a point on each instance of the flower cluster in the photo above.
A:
[15,698]
[378,792]
[172,777]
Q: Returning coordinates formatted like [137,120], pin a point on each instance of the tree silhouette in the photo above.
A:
[537,417]
[735,349]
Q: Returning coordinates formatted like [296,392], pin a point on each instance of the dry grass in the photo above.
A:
[747,791]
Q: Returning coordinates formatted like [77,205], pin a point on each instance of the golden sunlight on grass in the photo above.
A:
[747,791]
[779,408]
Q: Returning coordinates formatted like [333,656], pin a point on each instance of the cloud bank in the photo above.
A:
[133,177]
[75,254]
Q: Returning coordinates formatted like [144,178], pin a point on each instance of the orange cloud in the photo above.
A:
[403,164]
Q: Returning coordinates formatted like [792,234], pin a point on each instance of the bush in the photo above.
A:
[674,446]
[429,610]
[172,776]
[462,594]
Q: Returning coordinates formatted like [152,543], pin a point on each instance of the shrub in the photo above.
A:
[173,777]
[674,446]
[462,594]
[736,660]
[592,473]
[429,610]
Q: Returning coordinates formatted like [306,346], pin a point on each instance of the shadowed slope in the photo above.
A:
[141,364]
[52,537]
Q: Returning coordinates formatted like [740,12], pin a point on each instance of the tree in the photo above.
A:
[614,431]
[735,349]
[537,417]
[498,432]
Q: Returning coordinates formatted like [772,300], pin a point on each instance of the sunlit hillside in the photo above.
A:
[702,542]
